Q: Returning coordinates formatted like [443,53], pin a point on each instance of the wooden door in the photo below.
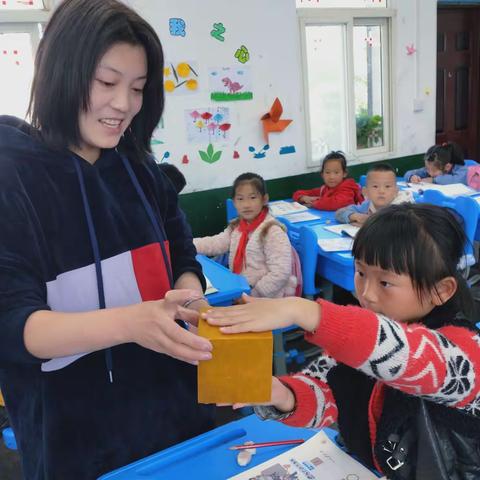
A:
[457,117]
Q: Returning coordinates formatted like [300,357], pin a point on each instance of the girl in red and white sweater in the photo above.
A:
[410,339]
[337,192]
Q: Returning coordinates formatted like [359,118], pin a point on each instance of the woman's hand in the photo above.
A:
[263,314]
[282,398]
[153,325]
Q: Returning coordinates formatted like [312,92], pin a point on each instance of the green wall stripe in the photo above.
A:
[206,210]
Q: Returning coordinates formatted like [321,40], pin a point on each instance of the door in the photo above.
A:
[457,117]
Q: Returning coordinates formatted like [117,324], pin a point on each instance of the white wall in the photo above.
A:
[269,29]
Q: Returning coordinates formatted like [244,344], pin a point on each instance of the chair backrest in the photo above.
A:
[466,207]
[470,163]
[231,210]
[362,181]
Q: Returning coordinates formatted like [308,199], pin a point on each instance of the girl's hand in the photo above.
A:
[264,314]
[308,200]
[282,398]
[415,179]
[153,325]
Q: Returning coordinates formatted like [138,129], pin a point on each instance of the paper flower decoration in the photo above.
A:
[272,121]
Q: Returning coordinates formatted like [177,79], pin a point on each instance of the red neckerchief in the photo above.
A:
[245,229]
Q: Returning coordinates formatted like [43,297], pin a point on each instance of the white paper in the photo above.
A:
[339,244]
[301,217]
[344,228]
[317,458]
[452,190]
[210,288]
[284,208]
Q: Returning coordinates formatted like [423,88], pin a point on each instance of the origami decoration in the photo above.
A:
[271,120]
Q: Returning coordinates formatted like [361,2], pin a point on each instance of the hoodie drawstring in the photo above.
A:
[157,226]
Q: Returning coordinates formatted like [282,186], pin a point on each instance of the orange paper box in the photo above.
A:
[240,370]
[272,121]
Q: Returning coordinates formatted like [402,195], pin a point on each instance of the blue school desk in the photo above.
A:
[229,285]
[208,457]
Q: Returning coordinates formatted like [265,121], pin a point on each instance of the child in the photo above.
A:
[410,340]
[338,190]
[257,244]
[95,371]
[380,191]
[444,165]
[176,177]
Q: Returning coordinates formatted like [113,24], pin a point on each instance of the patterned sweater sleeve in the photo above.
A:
[439,365]
[214,245]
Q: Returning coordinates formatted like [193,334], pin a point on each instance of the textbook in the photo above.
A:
[317,458]
[344,229]
[451,190]
[284,208]
[339,244]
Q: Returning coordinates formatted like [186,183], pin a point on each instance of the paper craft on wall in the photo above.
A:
[287,149]
[208,125]
[242,54]
[177,27]
[272,121]
[262,152]
[210,155]
[180,78]
[218,31]
[230,84]
[410,49]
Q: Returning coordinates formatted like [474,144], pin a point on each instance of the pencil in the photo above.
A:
[267,444]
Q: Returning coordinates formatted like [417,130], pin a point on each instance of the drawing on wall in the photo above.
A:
[185,159]
[236,154]
[180,78]
[287,149]
[208,125]
[410,49]
[262,152]
[177,27]
[427,90]
[242,54]
[229,84]
[272,121]
[218,31]
[210,155]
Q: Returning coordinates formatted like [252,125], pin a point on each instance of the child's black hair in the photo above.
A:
[381,167]
[425,242]
[174,175]
[256,180]
[335,155]
[441,155]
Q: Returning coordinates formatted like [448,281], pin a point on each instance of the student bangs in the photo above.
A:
[425,242]
[337,155]
[441,155]
[78,34]
[255,180]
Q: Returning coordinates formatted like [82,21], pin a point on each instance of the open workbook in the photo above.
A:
[317,458]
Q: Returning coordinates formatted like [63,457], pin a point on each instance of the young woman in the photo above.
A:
[95,370]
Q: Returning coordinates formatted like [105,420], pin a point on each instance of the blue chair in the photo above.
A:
[362,181]
[231,210]
[470,163]
[468,209]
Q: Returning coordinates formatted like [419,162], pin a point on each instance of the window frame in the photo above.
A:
[348,18]
[26,16]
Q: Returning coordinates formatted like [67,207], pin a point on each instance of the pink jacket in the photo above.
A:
[268,259]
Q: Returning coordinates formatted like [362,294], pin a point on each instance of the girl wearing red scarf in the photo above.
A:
[258,245]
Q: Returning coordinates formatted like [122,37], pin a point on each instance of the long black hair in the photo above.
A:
[425,242]
[77,36]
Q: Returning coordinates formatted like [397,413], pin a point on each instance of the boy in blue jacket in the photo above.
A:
[380,191]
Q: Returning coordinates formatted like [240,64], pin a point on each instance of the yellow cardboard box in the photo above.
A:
[240,370]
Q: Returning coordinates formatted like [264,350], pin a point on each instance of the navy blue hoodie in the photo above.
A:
[69,420]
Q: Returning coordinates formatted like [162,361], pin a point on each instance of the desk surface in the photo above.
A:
[229,285]
[207,456]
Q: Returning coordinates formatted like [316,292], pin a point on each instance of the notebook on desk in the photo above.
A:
[452,190]
[344,229]
[317,458]
[284,208]
[339,244]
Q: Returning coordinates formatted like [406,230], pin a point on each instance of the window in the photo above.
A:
[341,3]
[20,31]
[347,80]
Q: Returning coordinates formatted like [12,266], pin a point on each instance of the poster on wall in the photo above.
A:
[180,78]
[208,125]
[229,84]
